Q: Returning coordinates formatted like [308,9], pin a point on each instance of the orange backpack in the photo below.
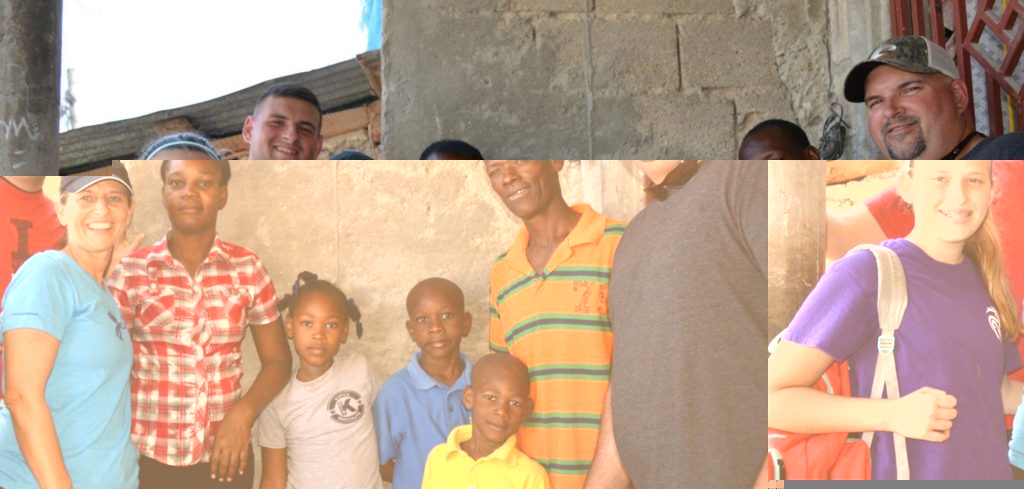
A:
[825,456]
[838,456]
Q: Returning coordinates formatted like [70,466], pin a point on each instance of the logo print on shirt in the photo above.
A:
[993,322]
[119,326]
[587,300]
[20,255]
[346,407]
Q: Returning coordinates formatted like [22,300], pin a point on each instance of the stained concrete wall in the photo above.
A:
[376,228]
[600,78]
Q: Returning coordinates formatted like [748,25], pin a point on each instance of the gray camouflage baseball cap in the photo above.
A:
[915,54]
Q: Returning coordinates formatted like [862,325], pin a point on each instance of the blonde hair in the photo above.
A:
[984,249]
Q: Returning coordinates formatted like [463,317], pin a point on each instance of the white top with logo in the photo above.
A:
[326,425]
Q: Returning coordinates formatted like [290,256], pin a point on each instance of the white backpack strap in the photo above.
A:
[892,303]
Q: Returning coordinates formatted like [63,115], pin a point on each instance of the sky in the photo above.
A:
[134,57]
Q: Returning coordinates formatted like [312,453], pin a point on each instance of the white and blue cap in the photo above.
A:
[77,183]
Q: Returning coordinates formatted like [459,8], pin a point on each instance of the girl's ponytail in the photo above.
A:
[983,247]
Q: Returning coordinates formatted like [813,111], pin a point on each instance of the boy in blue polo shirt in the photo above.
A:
[419,405]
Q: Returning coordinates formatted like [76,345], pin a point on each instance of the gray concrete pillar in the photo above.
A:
[855,28]
[796,236]
[29,86]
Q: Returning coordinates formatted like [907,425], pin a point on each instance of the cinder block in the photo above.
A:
[726,53]
[532,125]
[664,6]
[755,105]
[773,102]
[463,6]
[511,86]
[637,56]
[668,126]
[552,5]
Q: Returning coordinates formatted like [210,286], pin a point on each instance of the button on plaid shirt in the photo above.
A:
[187,333]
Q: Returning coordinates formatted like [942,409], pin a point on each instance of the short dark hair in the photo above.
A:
[454,147]
[223,166]
[349,154]
[291,90]
[435,284]
[793,132]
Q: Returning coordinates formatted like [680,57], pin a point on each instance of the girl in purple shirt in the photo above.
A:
[953,349]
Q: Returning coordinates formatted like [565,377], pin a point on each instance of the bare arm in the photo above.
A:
[848,228]
[29,360]
[275,468]
[794,405]
[607,472]
[1012,392]
[387,471]
[231,445]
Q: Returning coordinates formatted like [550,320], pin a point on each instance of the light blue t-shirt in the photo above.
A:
[413,414]
[88,389]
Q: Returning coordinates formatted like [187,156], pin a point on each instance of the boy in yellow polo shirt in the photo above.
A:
[483,455]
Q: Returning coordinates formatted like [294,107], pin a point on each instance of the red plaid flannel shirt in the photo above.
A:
[187,333]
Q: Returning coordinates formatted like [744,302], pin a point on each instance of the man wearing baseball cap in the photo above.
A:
[918,105]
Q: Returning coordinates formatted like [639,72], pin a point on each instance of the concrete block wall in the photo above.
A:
[600,78]
[376,228]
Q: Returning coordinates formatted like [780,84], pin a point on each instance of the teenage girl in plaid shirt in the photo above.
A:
[188,301]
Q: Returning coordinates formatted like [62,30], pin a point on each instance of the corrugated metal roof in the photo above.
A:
[338,86]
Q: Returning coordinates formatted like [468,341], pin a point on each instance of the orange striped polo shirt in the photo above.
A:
[556,322]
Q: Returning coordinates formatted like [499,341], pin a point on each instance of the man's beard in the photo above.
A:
[904,152]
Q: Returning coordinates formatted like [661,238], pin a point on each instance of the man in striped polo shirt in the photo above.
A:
[549,308]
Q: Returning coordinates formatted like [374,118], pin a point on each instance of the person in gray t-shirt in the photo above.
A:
[689,307]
